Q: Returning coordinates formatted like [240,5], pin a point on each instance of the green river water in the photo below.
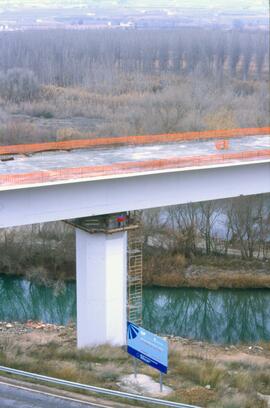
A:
[222,316]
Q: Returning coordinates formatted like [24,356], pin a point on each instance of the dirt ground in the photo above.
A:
[200,373]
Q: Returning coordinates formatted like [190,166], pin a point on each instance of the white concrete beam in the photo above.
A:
[75,199]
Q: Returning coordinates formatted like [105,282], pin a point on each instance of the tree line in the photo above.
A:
[72,58]
[46,252]
[212,227]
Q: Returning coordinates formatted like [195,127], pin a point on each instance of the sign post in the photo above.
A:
[148,348]
[161,382]
[135,367]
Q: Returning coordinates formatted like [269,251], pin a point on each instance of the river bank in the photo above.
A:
[210,272]
[224,316]
[164,270]
[200,373]
[211,278]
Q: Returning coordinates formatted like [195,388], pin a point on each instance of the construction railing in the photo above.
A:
[89,172]
[133,140]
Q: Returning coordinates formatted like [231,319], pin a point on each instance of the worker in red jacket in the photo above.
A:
[121,219]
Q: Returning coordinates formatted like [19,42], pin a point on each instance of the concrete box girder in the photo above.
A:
[44,203]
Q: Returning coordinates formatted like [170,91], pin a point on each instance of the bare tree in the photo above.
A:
[184,221]
[209,213]
[244,217]
[19,85]
[247,56]
[235,53]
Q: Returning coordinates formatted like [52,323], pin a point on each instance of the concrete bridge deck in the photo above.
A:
[52,162]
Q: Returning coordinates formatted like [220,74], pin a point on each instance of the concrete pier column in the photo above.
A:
[101,288]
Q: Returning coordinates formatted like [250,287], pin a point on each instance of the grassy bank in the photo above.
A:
[159,269]
[210,272]
[199,373]
[219,281]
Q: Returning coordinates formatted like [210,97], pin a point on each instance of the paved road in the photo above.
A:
[14,397]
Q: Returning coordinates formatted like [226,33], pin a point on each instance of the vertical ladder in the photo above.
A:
[135,269]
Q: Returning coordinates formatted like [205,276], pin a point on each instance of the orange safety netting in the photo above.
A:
[222,144]
[136,140]
[129,167]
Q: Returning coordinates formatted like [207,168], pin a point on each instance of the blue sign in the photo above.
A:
[147,347]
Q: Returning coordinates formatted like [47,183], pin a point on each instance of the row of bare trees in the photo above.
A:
[46,252]
[41,252]
[72,57]
[239,225]
[130,82]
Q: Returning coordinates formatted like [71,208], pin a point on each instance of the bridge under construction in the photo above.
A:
[95,185]
[27,164]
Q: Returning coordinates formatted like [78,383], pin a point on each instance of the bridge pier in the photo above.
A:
[101,288]
[101,263]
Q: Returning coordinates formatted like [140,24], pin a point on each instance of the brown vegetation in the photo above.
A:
[72,85]
[168,270]
[203,374]
[216,280]
[212,244]
[183,104]
[181,246]
[43,253]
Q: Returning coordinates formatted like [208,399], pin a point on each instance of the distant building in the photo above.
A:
[129,24]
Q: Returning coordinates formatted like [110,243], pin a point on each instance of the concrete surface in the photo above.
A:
[143,384]
[120,154]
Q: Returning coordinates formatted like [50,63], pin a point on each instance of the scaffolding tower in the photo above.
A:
[135,270]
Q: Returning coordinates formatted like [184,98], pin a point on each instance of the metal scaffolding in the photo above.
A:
[107,224]
[135,270]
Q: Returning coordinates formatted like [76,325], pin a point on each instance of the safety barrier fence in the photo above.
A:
[92,389]
[133,140]
[89,172]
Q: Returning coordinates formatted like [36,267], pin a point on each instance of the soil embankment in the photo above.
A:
[199,373]
[210,272]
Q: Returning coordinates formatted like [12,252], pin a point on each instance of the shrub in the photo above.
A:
[18,131]
[19,85]
[243,88]
[67,134]
[43,113]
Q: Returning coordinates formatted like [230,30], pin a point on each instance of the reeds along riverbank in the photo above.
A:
[220,280]
[208,272]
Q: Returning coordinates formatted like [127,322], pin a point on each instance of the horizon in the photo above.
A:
[244,5]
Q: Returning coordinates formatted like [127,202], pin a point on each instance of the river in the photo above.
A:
[224,316]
